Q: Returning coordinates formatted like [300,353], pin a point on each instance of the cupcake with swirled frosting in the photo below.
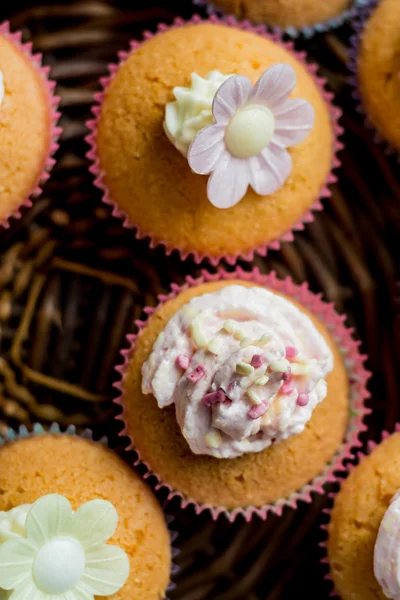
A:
[237,397]
[363,543]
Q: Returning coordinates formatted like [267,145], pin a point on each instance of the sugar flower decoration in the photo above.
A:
[246,144]
[64,555]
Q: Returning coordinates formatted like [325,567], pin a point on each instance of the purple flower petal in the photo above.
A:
[274,86]
[293,122]
[206,148]
[229,181]
[230,97]
[269,170]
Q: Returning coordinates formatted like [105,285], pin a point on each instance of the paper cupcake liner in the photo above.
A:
[355,41]
[53,101]
[371,445]
[335,114]
[295,32]
[354,362]
[12,435]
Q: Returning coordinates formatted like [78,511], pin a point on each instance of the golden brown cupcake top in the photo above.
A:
[25,127]
[82,471]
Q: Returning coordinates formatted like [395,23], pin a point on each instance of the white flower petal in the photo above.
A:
[274,86]
[16,562]
[49,516]
[106,571]
[206,149]
[269,170]
[79,592]
[94,523]
[230,96]
[293,122]
[28,591]
[229,181]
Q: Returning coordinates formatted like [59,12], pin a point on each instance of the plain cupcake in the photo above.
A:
[363,546]
[84,522]
[377,69]
[213,139]
[27,142]
[235,394]
[285,13]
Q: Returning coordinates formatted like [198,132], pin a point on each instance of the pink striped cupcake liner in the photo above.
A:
[354,362]
[53,101]
[359,23]
[371,445]
[99,175]
[12,435]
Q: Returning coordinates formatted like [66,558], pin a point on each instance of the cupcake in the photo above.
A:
[213,139]
[26,142]
[377,69]
[364,530]
[305,16]
[77,522]
[237,396]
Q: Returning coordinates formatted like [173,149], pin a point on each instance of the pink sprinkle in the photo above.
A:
[302,399]
[213,398]
[287,376]
[258,410]
[257,361]
[183,361]
[197,374]
[291,352]
[286,389]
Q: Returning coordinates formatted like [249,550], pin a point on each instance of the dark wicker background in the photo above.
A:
[72,280]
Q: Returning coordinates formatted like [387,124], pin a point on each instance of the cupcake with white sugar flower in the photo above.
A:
[76,522]
[214,139]
[242,393]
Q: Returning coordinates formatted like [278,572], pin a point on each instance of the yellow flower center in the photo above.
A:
[250,131]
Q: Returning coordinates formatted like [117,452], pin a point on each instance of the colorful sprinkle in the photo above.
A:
[246,342]
[279,366]
[291,352]
[238,335]
[254,398]
[213,398]
[198,336]
[197,374]
[182,361]
[286,389]
[214,346]
[213,439]
[257,361]
[263,341]
[258,411]
[287,376]
[244,368]
[300,369]
[229,326]
[302,399]
[262,380]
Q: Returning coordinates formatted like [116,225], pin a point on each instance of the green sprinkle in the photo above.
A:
[262,380]
[198,336]
[244,368]
[253,397]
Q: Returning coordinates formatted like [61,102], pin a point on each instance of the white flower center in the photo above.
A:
[250,131]
[59,565]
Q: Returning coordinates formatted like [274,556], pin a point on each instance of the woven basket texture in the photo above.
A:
[72,281]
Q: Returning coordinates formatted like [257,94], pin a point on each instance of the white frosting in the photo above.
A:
[387,551]
[12,523]
[192,109]
[2,90]
[214,338]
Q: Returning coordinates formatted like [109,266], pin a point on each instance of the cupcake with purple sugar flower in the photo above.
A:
[214,139]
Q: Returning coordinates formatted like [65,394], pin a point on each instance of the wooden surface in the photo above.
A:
[72,280]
